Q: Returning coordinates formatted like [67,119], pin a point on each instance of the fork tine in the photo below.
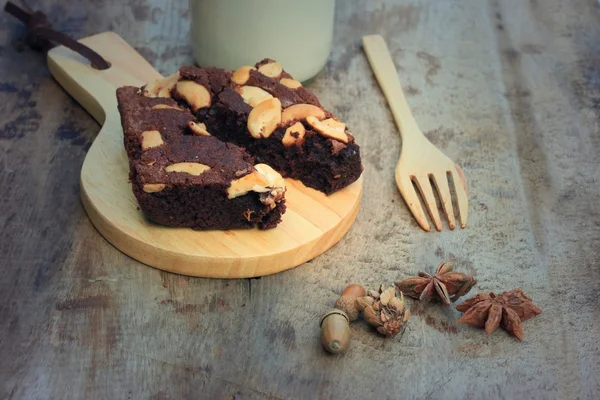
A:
[460,187]
[424,186]
[411,198]
[441,185]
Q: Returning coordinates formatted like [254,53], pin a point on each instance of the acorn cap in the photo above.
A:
[334,311]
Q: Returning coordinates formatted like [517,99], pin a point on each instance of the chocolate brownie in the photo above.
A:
[273,117]
[182,176]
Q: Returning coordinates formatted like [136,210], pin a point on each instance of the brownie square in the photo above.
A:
[184,179]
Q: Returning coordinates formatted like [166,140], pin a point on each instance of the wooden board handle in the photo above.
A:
[95,89]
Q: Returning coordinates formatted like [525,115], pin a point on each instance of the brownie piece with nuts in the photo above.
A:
[182,176]
[264,110]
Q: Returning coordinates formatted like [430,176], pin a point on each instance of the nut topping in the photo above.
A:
[253,95]
[301,111]
[191,168]
[153,187]
[198,128]
[264,118]
[254,181]
[161,87]
[151,139]
[272,69]
[242,75]
[196,95]
[294,135]
[166,107]
[273,178]
[330,128]
[291,83]
[263,179]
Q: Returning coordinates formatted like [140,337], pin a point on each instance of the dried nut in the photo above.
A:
[161,87]
[374,294]
[153,187]
[387,295]
[335,331]
[191,168]
[301,111]
[264,118]
[242,75]
[272,69]
[384,316]
[348,305]
[330,127]
[151,139]
[347,301]
[291,83]
[294,135]
[166,107]
[406,315]
[263,179]
[198,128]
[387,314]
[397,303]
[371,316]
[273,178]
[354,290]
[253,95]
[364,302]
[196,95]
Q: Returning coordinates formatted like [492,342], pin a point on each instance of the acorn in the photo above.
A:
[347,301]
[335,331]
[354,290]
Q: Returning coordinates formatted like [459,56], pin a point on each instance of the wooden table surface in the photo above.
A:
[509,89]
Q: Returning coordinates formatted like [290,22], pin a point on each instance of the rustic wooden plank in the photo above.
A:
[509,89]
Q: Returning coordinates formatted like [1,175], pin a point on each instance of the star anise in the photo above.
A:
[446,285]
[490,311]
[383,310]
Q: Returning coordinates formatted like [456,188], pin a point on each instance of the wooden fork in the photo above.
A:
[420,161]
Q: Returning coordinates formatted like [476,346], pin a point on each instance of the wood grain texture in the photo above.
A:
[312,224]
[509,89]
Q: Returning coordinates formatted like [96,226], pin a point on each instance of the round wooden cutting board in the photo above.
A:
[312,224]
